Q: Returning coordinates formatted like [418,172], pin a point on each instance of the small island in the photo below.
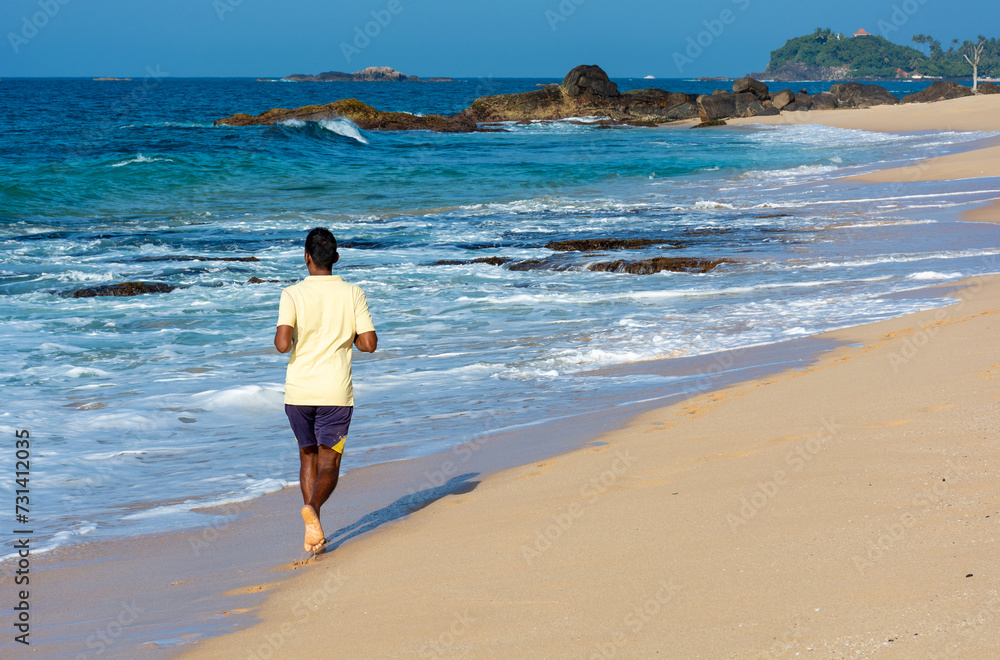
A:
[826,55]
[112,79]
[370,74]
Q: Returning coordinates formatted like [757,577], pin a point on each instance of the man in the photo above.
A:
[318,320]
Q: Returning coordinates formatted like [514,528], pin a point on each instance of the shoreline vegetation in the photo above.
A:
[587,91]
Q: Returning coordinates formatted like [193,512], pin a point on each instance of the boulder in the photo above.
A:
[989,88]
[588,80]
[823,101]
[123,289]
[795,106]
[755,87]
[545,103]
[939,91]
[723,106]
[804,97]
[783,98]
[857,95]
[681,111]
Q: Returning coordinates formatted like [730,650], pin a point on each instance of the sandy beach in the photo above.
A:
[847,509]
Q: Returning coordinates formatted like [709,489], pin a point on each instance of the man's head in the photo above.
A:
[321,247]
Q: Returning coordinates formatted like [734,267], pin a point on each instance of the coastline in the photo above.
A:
[711,576]
[433,506]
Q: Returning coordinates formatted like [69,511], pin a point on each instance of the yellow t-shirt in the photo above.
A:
[325,313]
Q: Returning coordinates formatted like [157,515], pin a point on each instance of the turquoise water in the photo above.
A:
[144,408]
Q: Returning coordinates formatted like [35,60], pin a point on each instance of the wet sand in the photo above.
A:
[848,508]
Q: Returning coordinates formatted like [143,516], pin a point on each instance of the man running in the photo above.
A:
[318,320]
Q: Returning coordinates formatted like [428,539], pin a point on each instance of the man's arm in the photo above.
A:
[366,341]
[283,338]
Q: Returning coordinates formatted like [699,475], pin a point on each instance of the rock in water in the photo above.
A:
[589,80]
[651,266]
[857,95]
[755,87]
[360,113]
[939,91]
[123,289]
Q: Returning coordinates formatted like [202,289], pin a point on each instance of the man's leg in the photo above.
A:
[319,473]
[308,461]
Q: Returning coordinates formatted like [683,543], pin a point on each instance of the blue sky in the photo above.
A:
[530,38]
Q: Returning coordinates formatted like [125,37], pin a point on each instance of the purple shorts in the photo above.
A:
[319,425]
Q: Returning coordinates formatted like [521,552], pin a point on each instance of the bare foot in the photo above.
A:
[315,538]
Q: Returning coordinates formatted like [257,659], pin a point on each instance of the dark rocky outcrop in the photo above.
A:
[360,113]
[755,87]
[939,91]
[724,106]
[123,289]
[711,123]
[530,264]
[989,88]
[823,101]
[589,83]
[593,244]
[657,264]
[857,95]
[783,98]
[587,91]
[493,261]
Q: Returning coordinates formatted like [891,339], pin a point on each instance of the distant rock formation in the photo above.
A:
[370,74]
[587,91]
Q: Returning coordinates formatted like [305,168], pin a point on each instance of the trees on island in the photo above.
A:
[876,57]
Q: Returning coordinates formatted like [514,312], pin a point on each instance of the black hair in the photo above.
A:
[322,247]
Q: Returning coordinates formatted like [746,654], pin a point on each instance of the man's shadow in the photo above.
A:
[401,508]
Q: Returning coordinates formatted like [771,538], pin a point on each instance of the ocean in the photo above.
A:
[143,410]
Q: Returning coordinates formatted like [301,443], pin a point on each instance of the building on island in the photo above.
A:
[862,33]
